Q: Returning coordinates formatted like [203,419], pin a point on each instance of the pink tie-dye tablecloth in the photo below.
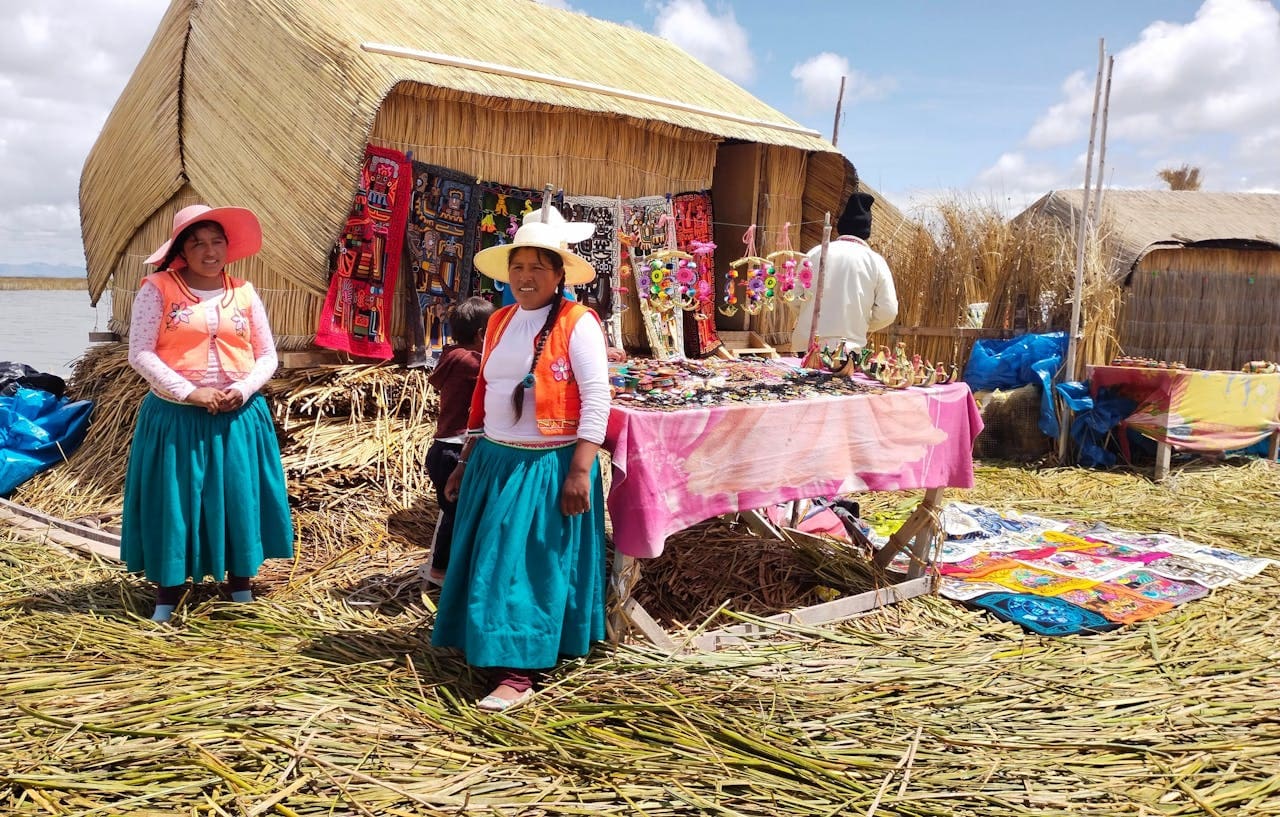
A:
[675,469]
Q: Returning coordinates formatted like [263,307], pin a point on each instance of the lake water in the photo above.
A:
[48,329]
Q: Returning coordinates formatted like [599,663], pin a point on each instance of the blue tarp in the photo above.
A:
[1008,364]
[1095,417]
[37,430]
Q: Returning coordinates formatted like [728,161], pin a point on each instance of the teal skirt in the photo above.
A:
[525,583]
[204,494]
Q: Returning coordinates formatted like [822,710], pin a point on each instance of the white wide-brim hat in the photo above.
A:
[554,234]
[244,233]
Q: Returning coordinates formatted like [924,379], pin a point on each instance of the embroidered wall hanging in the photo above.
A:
[643,232]
[601,250]
[356,314]
[694,235]
[501,208]
[443,217]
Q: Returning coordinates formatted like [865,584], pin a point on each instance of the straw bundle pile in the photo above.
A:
[324,698]
[353,442]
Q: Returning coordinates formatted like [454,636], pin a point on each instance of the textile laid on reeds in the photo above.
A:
[694,216]
[356,315]
[1069,567]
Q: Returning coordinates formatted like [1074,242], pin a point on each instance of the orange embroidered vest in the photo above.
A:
[558,405]
[184,339]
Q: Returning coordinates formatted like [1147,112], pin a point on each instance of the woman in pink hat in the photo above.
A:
[204,492]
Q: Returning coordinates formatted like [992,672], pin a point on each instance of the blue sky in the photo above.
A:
[986,100]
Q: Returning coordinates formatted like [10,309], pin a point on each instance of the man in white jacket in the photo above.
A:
[858,296]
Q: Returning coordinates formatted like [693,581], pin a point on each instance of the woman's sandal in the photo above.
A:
[431,575]
[493,703]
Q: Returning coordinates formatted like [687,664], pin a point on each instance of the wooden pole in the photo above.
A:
[1069,366]
[835,129]
[822,279]
[1102,145]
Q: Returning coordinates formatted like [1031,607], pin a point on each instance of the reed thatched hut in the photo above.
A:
[1198,273]
[270,103]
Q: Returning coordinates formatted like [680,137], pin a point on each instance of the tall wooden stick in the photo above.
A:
[1069,367]
[1102,145]
[835,129]
[822,280]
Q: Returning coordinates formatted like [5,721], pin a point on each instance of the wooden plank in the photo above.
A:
[43,532]
[306,358]
[825,613]
[1273,450]
[44,519]
[103,337]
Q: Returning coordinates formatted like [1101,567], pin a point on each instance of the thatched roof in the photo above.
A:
[269,103]
[1139,221]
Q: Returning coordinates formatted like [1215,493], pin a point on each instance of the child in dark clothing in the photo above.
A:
[454,378]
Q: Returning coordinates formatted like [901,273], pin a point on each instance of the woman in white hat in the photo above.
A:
[526,578]
[204,492]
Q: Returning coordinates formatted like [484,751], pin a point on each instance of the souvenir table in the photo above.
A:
[677,465]
[1205,411]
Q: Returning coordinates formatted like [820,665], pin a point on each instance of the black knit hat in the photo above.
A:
[856,219]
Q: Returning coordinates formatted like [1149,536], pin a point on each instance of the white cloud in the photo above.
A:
[716,39]
[818,82]
[1214,75]
[61,68]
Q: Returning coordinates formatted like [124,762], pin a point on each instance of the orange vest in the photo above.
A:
[184,339]
[558,405]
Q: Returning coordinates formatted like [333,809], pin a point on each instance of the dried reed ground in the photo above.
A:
[324,699]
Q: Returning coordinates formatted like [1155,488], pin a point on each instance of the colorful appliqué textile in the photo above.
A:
[356,316]
[501,209]
[601,249]
[1045,615]
[694,224]
[1121,575]
[443,218]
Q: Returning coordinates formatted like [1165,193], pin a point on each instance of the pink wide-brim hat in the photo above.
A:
[244,233]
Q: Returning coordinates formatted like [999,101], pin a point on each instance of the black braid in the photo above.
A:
[517,394]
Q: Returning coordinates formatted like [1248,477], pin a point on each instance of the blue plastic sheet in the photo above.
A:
[37,430]
[1094,420]
[1008,364]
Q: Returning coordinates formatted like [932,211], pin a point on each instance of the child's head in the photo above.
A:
[468,318]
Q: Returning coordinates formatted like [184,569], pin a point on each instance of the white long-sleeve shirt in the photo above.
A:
[144,329]
[509,363]
[858,296]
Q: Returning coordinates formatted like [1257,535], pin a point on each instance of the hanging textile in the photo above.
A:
[441,234]
[601,249]
[501,208]
[644,222]
[356,314]
[694,224]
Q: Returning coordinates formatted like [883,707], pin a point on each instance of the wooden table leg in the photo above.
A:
[625,612]
[1273,450]
[918,536]
[1163,453]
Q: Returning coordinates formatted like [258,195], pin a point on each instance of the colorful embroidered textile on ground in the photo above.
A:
[441,234]
[601,249]
[501,208]
[694,235]
[1034,571]
[356,314]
